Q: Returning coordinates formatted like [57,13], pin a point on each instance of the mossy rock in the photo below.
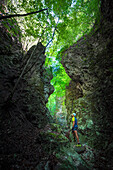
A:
[56,127]
[55,137]
[79,149]
[70,159]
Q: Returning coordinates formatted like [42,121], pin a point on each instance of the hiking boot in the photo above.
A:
[78,144]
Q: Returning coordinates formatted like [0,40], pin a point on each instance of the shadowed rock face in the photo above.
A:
[34,86]
[73,92]
[89,62]
[23,115]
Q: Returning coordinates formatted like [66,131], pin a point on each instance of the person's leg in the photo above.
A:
[76,135]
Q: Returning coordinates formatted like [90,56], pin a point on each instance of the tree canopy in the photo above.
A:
[74,17]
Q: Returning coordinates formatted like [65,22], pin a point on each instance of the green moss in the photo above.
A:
[56,137]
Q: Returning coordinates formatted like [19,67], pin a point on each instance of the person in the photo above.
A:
[75,127]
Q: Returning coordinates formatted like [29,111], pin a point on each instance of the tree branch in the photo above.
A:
[53,34]
[21,15]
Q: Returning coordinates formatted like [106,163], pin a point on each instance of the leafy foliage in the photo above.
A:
[75,18]
[60,81]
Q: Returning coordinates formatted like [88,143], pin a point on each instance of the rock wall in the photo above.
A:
[23,109]
[34,86]
[73,92]
[89,63]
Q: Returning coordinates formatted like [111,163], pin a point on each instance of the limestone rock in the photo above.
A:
[89,62]
[24,112]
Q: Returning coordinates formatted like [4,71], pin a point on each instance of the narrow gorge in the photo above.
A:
[31,135]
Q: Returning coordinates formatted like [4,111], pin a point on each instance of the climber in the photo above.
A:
[75,127]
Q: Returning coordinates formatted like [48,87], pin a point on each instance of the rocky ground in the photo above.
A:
[24,147]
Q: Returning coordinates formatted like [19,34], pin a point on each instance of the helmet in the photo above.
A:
[74,114]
